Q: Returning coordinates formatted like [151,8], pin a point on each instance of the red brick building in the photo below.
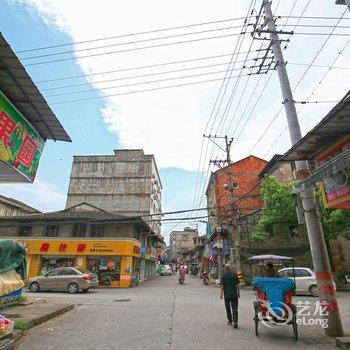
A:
[234,190]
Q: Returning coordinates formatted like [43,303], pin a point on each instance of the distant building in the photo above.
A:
[117,248]
[181,242]
[126,183]
[11,207]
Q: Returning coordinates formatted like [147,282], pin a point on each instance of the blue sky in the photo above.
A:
[89,134]
[168,123]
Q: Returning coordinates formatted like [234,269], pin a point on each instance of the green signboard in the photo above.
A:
[20,144]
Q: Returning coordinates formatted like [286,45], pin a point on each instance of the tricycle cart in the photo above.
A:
[274,297]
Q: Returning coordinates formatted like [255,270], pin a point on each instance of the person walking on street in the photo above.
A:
[230,293]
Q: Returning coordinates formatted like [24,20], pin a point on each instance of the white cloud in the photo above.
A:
[170,122]
[40,195]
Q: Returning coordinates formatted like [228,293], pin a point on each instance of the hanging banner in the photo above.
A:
[20,145]
[336,188]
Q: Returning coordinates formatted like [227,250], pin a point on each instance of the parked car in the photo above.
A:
[166,271]
[64,279]
[305,279]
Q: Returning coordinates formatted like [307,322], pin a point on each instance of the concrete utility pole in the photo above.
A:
[313,222]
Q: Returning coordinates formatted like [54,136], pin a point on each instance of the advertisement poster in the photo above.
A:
[336,188]
[20,144]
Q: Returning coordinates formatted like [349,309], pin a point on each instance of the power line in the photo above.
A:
[312,93]
[132,49]
[223,87]
[127,35]
[313,17]
[300,80]
[228,105]
[126,43]
[134,84]
[132,68]
[171,63]
[138,91]
[135,76]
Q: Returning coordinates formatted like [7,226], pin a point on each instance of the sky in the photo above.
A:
[92,38]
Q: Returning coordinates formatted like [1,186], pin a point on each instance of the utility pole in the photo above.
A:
[220,164]
[313,223]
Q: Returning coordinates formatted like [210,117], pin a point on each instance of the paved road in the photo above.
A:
[160,314]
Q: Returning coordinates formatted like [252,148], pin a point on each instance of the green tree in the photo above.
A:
[279,207]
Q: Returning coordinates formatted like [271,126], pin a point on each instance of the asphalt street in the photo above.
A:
[161,314]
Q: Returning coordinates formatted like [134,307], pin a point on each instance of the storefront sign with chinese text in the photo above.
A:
[20,144]
[336,188]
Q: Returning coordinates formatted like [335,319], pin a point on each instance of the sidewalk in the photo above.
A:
[33,313]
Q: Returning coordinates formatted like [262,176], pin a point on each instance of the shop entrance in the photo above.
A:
[107,269]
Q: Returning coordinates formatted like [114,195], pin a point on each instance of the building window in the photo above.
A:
[79,230]
[97,230]
[51,231]
[185,237]
[25,231]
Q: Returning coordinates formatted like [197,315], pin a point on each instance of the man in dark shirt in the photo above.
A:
[230,291]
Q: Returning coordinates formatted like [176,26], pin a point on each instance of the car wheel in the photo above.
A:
[73,288]
[34,287]
[314,291]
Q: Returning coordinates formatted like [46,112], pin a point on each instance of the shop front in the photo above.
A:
[114,261]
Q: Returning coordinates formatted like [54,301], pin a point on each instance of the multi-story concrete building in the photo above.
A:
[181,242]
[11,207]
[126,183]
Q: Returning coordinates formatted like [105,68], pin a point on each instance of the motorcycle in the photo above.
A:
[204,276]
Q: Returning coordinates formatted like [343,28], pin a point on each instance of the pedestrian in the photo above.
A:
[230,293]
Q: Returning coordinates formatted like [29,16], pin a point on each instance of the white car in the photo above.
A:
[305,279]
[166,271]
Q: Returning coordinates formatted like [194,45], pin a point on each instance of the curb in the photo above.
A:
[8,343]
[53,314]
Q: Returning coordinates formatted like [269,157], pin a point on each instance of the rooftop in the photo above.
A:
[333,127]
[18,204]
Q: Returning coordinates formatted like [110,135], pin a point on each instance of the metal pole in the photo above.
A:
[313,223]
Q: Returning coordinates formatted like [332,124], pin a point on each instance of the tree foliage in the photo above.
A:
[279,207]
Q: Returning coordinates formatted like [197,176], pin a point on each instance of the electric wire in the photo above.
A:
[200,175]
[126,43]
[131,49]
[137,91]
[298,83]
[135,76]
[129,34]
[329,68]
[133,84]
[231,98]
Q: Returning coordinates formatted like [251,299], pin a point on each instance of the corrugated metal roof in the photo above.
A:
[19,88]
[334,126]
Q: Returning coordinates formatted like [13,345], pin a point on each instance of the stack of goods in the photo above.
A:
[10,285]
[12,269]
[6,326]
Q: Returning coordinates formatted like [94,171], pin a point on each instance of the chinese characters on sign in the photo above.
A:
[336,188]
[20,144]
